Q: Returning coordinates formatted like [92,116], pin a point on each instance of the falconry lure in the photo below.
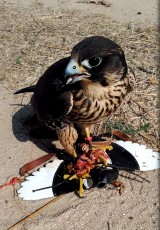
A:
[50,181]
[73,94]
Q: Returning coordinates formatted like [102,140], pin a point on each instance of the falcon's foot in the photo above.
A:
[80,169]
[75,177]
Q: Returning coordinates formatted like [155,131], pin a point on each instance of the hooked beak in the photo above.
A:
[74,72]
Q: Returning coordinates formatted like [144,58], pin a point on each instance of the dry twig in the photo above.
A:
[33,214]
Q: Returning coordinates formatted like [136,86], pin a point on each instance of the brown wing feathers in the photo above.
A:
[94,91]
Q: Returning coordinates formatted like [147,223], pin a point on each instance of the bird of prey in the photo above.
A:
[81,90]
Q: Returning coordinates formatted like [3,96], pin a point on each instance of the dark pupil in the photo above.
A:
[94,61]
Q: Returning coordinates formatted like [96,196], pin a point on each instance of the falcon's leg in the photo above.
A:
[96,144]
[88,137]
[67,137]
[93,147]
[88,160]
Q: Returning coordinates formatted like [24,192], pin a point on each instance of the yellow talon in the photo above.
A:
[66,176]
[109,147]
[81,187]
[75,155]
[73,177]
[104,161]
[85,175]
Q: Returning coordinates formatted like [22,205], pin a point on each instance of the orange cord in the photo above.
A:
[13,181]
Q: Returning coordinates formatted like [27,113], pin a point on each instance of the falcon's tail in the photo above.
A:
[26,90]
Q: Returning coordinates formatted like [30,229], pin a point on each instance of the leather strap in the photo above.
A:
[33,164]
[122,136]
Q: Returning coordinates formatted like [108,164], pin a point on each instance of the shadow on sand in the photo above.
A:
[26,127]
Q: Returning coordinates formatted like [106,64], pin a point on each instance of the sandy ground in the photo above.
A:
[23,60]
[122,11]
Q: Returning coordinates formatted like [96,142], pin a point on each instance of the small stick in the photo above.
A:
[147,139]
[145,109]
[108,224]
[33,214]
[146,70]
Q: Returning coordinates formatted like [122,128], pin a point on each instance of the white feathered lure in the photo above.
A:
[49,180]
[146,158]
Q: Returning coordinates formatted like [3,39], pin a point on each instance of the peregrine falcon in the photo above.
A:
[82,90]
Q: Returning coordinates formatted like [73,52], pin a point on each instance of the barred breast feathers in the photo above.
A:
[99,92]
[95,102]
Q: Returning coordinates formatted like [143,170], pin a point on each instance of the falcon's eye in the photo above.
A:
[92,62]
[95,61]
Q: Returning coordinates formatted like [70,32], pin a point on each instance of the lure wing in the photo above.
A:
[146,158]
[48,181]
[39,184]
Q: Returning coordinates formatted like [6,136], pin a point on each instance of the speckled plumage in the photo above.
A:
[83,89]
[95,102]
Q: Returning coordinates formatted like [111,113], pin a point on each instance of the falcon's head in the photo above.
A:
[96,59]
